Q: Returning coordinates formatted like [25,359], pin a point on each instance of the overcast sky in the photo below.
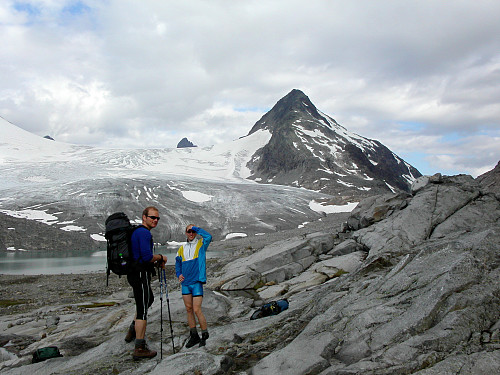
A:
[422,77]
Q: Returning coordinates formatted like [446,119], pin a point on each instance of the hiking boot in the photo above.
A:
[204,337]
[193,340]
[130,334]
[143,352]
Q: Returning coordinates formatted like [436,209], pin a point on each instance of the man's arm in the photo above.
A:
[144,241]
[207,237]
[178,267]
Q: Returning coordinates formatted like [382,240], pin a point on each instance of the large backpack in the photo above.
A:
[43,354]
[119,252]
[271,308]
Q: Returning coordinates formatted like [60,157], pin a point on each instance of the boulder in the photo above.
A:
[275,263]
[302,282]
[419,184]
[375,209]
[346,247]
[490,181]
[339,265]
[428,209]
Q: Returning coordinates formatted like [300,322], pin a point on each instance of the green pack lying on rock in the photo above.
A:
[48,352]
[271,308]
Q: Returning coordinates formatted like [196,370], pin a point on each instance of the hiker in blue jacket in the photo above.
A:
[139,279]
[190,268]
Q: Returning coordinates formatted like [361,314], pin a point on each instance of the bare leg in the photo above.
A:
[188,302]
[197,311]
[140,328]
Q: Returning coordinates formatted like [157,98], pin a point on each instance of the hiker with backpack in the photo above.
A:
[190,268]
[139,278]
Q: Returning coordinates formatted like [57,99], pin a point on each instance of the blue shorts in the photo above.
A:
[195,289]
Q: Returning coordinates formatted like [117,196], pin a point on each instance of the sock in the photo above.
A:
[140,343]
[204,331]
[193,331]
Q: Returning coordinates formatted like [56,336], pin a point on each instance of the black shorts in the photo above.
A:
[140,281]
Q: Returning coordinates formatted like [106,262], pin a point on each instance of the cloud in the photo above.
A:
[146,74]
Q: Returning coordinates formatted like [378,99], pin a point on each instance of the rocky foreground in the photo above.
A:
[409,284]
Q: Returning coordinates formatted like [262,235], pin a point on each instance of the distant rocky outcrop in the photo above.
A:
[490,181]
[49,137]
[22,234]
[310,149]
[184,142]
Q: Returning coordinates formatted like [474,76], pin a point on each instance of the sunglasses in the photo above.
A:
[154,217]
[190,231]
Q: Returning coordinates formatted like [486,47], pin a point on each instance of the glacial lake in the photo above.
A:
[45,263]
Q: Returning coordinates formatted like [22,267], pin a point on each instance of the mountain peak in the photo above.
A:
[310,149]
[184,142]
[292,108]
[295,96]
[281,115]
[295,100]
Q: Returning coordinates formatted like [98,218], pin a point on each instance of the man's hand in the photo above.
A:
[181,278]
[161,261]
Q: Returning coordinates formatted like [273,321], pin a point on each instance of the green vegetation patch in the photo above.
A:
[340,272]
[12,302]
[95,305]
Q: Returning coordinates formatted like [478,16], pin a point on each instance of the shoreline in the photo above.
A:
[25,293]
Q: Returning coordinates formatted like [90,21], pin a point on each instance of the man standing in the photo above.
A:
[140,280]
[190,268]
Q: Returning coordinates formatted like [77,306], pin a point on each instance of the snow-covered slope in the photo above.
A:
[18,145]
[51,161]
[54,195]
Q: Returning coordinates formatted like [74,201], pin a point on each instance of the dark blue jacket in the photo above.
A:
[142,245]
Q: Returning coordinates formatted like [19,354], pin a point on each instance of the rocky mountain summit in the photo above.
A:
[184,142]
[310,149]
[408,284]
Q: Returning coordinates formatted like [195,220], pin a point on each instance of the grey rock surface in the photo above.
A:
[490,181]
[412,288]
[428,287]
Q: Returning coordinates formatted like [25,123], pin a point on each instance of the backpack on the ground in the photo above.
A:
[43,354]
[271,308]
[119,253]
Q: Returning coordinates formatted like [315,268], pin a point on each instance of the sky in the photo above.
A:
[422,77]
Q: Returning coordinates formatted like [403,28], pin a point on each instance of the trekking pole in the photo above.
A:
[161,313]
[168,306]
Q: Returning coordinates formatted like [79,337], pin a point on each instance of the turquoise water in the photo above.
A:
[44,263]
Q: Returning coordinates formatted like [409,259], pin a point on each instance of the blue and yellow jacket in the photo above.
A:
[191,258]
